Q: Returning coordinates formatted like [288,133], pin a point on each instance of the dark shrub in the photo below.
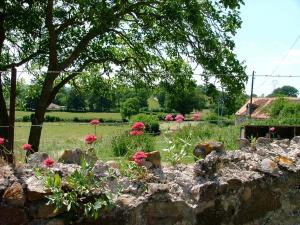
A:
[151,122]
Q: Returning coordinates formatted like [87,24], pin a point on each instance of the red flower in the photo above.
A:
[27,147]
[95,122]
[169,117]
[179,118]
[196,116]
[48,162]
[2,141]
[272,129]
[139,157]
[138,126]
[90,138]
[136,132]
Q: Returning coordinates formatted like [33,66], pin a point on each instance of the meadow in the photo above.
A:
[69,116]
[57,137]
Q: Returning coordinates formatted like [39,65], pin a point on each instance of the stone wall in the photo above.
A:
[255,185]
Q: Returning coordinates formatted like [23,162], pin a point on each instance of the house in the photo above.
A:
[259,109]
[54,107]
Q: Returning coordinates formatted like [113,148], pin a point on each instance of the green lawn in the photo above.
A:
[56,137]
[80,115]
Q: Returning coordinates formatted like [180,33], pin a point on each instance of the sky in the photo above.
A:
[269,29]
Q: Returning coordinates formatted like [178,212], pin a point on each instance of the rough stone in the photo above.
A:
[35,188]
[263,142]
[233,187]
[154,188]
[154,158]
[12,216]
[284,143]
[100,168]
[296,140]
[203,149]
[75,156]
[55,222]
[14,195]
[37,158]
[285,162]
[126,201]
[113,164]
[43,211]
[261,202]
[244,143]
[270,167]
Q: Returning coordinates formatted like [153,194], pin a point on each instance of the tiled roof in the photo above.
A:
[260,106]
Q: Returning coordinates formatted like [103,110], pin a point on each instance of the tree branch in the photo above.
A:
[25,60]
[66,24]
[52,36]
[79,48]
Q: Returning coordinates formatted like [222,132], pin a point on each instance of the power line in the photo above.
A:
[164,73]
[282,60]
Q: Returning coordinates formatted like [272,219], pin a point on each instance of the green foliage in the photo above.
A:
[151,122]
[287,91]
[147,40]
[153,104]
[125,144]
[180,90]
[129,108]
[85,193]
[213,118]
[178,147]
[284,109]
[121,144]
[132,170]
[75,101]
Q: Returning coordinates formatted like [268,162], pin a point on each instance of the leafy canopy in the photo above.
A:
[135,36]
[288,91]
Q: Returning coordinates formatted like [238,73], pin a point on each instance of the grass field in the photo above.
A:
[80,115]
[56,137]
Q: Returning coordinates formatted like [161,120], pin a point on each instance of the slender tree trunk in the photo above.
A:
[40,111]
[4,121]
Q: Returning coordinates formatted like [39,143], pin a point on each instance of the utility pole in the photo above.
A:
[251,96]
[12,107]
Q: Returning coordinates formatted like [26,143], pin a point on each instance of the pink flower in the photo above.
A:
[27,147]
[136,132]
[196,116]
[272,129]
[48,162]
[139,157]
[90,138]
[95,122]
[138,126]
[169,117]
[2,141]
[179,118]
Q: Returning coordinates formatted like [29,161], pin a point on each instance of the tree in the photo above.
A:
[138,36]
[75,101]
[180,88]
[288,91]
[19,21]
[129,108]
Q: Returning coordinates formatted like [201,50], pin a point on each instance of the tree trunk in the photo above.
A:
[4,121]
[38,119]
[36,131]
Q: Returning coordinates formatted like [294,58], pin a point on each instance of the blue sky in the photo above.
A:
[269,29]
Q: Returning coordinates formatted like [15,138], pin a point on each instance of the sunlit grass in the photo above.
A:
[80,115]
[57,137]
